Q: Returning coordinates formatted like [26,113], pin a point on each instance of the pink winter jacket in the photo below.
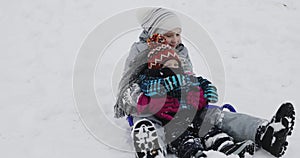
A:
[166,107]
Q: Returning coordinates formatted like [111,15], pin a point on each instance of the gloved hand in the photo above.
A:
[162,107]
[195,97]
[131,95]
[210,91]
[153,86]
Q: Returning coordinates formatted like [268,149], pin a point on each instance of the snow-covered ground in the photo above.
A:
[258,42]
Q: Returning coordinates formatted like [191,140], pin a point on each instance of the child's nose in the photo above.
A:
[174,39]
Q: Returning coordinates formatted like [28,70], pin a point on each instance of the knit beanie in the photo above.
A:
[159,54]
[157,20]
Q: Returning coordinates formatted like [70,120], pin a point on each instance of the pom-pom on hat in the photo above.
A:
[157,20]
[159,54]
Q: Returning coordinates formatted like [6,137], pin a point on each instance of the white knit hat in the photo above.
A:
[157,20]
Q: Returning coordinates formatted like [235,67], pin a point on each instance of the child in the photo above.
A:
[164,65]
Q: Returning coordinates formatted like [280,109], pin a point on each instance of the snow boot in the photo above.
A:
[186,144]
[217,140]
[146,141]
[191,147]
[273,136]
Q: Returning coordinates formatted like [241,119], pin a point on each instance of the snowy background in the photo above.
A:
[258,42]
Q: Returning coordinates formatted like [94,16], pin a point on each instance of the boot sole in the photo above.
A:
[146,140]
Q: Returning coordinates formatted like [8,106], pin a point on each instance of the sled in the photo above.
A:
[225,106]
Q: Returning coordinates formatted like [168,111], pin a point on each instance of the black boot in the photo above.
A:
[191,147]
[187,144]
[217,140]
[273,136]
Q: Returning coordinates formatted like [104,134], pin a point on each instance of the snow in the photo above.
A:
[257,40]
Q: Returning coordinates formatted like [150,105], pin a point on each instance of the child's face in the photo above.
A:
[171,64]
[173,37]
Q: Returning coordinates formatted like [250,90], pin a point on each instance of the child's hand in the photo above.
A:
[210,93]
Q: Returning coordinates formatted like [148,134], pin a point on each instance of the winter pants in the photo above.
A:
[239,126]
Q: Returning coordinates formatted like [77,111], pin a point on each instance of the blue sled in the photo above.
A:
[225,106]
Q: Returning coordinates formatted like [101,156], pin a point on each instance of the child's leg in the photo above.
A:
[240,126]
[262,132]
[182,138]
[271,136]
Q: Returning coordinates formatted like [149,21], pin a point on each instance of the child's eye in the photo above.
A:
[177,34]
